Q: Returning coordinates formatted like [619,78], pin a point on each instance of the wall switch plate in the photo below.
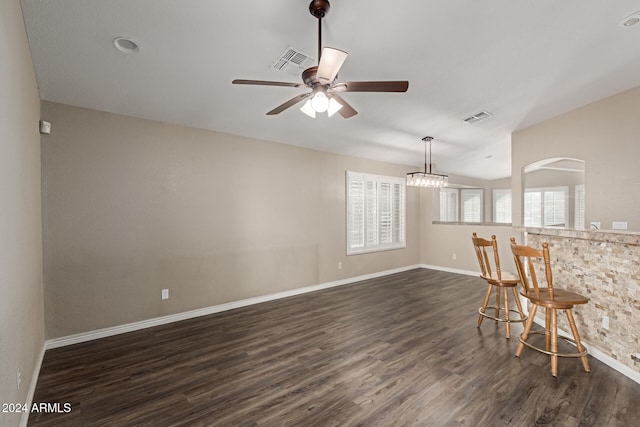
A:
[340,265]
[165,294]
[595,225]
[454,257]
[619,225]
[18,378]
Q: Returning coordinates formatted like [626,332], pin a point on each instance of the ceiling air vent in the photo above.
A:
[293,61]
[477,117]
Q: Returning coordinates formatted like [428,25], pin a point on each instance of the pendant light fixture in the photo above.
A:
[426,178]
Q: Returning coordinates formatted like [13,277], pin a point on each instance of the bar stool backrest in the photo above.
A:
[524,257]
[481,245]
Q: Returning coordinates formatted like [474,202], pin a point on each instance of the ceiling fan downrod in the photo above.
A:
[319,8]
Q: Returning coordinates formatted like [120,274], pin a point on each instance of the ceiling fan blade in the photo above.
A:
[347,110]
[289,103]
[266,83]
[330,62]
[386,86]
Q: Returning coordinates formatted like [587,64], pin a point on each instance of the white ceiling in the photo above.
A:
[522,61]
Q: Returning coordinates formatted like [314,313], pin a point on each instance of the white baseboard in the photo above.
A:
[32,388]
[130,327]
[451,270]
[601,356]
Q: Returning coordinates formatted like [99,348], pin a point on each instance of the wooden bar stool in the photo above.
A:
[497,280]
[552,300]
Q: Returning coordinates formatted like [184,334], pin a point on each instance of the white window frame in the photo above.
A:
[448,208]
[471,198]
[451,204]
[543,220]
[376,213]
[502,196]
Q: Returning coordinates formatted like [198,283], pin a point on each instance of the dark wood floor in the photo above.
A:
[402,350]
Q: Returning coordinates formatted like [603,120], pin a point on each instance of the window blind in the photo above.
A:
[449,204]
[546,207]
[471,204]
[375,213]
[579,208]
[502,205]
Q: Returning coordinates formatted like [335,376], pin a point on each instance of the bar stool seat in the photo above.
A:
[552,300]
[562,299]
[498,280]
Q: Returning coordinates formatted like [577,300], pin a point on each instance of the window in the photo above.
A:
[546,207]
[375,213]
[449,204]
[471,204]
[502,206]
[464,203]
[579,208]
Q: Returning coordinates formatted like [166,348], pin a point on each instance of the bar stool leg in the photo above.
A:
[527,328]
[547,329]
[554,343]
[506,312]
[497,303]
[515,294]
[485,304]
[576,337]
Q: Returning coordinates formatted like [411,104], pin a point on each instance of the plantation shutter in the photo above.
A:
[471,204]
[448,204]
[502,206]
[579,208]
[375,213]
[356,214]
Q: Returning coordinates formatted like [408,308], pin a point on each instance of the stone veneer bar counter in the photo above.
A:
[605,267]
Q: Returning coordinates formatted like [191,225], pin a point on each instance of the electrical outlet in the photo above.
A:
[165,294]
[454,257]
[619,225]
[18,378]
[340,265]
[605,322]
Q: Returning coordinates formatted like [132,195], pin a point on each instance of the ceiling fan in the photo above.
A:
[322,79]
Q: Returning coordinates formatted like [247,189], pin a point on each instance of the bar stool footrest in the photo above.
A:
[542,350]
[499,319]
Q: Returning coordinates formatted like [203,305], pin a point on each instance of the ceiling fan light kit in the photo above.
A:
[427,179]
[322,79]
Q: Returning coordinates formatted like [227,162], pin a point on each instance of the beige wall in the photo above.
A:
[21,311]
[606,134]
[134,206]
[439,242]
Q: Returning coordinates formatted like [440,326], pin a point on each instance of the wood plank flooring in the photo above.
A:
[401,350]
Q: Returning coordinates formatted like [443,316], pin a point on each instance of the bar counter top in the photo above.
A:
[624,237]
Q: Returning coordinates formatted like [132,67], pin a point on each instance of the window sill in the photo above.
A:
[492,224]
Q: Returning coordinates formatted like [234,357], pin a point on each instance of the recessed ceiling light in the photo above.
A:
[630,20]
[125,45]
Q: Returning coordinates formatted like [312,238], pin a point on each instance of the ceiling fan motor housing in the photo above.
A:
[309,76]
[319,8]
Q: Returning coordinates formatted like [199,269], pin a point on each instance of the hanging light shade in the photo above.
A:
[426,178]
[319,103]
